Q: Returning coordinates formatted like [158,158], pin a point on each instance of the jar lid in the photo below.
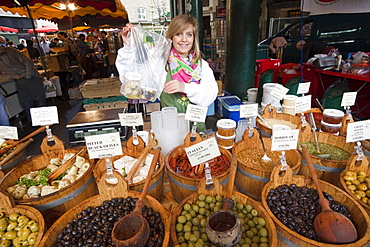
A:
[229,147]
[331,125]
[333,113]
[226,124]
[225,137]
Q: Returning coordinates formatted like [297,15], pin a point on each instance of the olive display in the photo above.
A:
[191,223]
[359,185]
[296,207]
[93,226]
[18,230]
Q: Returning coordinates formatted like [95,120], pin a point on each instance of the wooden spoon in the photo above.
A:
[133,229]
[16,151]
[6,149]
[330,226]
[223,227]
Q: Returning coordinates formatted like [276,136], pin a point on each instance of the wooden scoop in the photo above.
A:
[330,226]
[223,227]
[6,149]
[133,229]
[57,172]
[16,151]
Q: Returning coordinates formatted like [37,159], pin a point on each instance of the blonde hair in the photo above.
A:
[179,24]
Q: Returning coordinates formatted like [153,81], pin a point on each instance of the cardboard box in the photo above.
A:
[57,62]
[105,87]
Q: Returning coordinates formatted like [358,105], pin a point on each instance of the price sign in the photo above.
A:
[303,104]
[358,131]
[8,132]
[104,145]
[248,110]
[303,87]
[348,99]
[196,113]
[131,119]
[279,91]
[284,140]
[202,151]
[44,115]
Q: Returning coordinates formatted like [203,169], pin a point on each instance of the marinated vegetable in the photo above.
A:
[336,153]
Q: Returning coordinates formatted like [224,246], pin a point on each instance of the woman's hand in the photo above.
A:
[125,32]
[173,86]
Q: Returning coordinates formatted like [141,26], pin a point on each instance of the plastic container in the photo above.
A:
[252,94]
[267,98]
[332,116]
[289,109]
[225,141]
[226,127]
[330,128]
[231,108]
[289,100]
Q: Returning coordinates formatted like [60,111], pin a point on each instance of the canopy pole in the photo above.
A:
[38,43]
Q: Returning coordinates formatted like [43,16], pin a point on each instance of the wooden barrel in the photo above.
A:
[156,185]
[327,170]
[355,166]
[183,186]
[11,163]
[106,192]
[8,207]
[270,113]
[250,180]
[217,190]
[52,206]
[287,237]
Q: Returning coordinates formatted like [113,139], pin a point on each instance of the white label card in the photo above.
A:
[196,113]
[248,110]
[303,87]
[358,131]
[303,104]
[104,145]
[8,132]
[131,119]
[279,91]
[202,151]
[284,140]
[348,99]
[44,115]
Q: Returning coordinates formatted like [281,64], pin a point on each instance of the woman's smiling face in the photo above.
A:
[183,41]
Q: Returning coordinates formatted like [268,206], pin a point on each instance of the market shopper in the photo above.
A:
[17,66]
[83,51]
[4,120]
[32,51]
[187,78]
[54,43]
[71,47]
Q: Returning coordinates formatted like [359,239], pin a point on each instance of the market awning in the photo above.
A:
[8,29]
[44,30]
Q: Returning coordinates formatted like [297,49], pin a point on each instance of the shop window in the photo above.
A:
[141,14]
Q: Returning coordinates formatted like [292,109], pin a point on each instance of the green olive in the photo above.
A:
[355,182]
[250,234]
[181,239]
[5,243]
[195,208]
[13,216]
[187,207]
[261,221]
[361,179]
[11,225]
[179,227]
[17,241]
[23,219]
[193,238]
[201,197]
[187,228]
[201,204]
[364,199]
[10,235]
[362,187]
[352,187]
[188,217]
[219,198]
[181,219]
[263,232]
[360,193]
[254,212]
[361,173]
[349,178]
[2,215]
[248,207]
[209,199]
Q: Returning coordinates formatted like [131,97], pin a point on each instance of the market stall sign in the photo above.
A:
[358,131]
[283,140]
[348,99]
[303,87]
[248,110]
[196,113]
[44,115]
[8,132]
[104,145]
[203,151]
[279,91]
[303,104]
[131,119]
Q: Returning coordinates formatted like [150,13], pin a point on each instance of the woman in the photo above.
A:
[187,78]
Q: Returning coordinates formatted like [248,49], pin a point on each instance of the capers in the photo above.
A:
[193,232]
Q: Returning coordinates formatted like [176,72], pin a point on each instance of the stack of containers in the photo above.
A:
[332,121]
[289,104]
[170,128]
[226,133]
[267,98]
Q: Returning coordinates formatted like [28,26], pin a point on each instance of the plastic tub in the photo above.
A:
[330,128]
[226,127]
[252,94]
[289,109]
[225,141]
[333,116]
[289,100]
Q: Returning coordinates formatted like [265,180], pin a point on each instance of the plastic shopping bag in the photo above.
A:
[142,79]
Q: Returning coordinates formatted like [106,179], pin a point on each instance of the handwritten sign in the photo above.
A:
[104,145]
[303,104]
[131,119]
[284,140]
[248,110]
[279,91]
[303,87]
[8,132]
[196,113]
[44,115]
[202,151]
[348,99]
[358,131]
